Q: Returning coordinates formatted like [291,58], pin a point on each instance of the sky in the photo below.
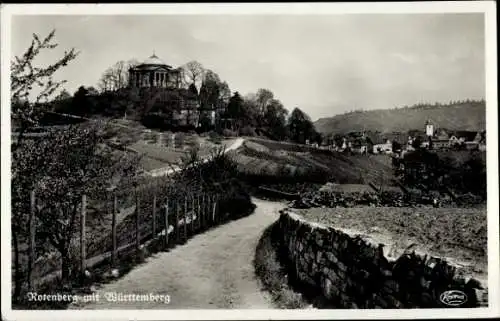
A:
[323,64]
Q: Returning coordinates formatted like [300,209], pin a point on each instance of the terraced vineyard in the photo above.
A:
[260,157]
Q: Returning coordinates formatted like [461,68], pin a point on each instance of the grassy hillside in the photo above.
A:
[276,159]
[461,116]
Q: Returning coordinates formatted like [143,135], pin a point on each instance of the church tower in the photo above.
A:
[429,128]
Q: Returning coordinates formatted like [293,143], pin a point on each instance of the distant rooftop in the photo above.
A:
[153,60]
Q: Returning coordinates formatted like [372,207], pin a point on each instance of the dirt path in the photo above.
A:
[213,270]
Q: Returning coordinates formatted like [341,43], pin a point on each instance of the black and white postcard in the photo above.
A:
[249,161]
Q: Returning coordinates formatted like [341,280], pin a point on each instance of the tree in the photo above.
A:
[235,107]
[275,119]
[92,91]
[81,103]
[192,72]
[192,88]
[224,93]
[250,111]
[264,96]
[417,142]
[396,146]
[210,91]
[338,139]
[117,76]
[69,163]
[26,112]
[64,95]
[300,127]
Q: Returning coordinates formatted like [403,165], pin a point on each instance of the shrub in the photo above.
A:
[229,133]
[247,131]
[214,137]
[180,139]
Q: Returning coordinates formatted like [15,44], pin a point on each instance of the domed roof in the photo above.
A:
[154,60]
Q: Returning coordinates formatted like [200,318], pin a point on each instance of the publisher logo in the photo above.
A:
[453,298]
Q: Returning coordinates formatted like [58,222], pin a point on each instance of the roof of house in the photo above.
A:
[153,63]
[401,138]
[153,60]
[441,133]
[467,135]
[416,132]
[376,138]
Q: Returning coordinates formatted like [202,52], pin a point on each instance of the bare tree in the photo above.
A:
[117,76]
[193,72]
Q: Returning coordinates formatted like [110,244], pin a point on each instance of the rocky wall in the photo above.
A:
[353,273]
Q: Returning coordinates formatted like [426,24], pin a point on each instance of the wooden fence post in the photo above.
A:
[208,210]
[185,217]
[218,212]
[32,245]
[214,208]
[83,254]
[154,217]
[202,211]
[193,212]
[113,230]
[218,215]
[176,225]
[137,221]
[199,211]
[165,239]
[218,200]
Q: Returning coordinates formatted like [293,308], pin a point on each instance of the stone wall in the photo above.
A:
[352,273]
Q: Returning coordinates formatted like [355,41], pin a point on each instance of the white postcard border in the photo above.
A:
[486,7]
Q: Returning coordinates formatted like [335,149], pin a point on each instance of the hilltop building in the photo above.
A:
[159,84]
[153,72]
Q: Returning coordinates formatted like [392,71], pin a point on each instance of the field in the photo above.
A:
[283,159]
[459,234]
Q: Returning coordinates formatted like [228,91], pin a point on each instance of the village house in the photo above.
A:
[383,143]
[354,143]
[479,141]
[382,146]
[461,138]
[441,139]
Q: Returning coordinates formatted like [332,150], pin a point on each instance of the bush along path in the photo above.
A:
[212,270]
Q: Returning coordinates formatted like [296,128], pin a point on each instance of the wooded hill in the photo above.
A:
[466,115]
